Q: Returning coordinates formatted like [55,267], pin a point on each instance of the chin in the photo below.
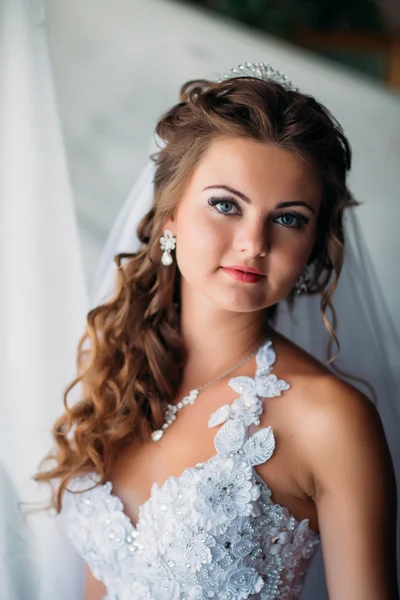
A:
[241,303]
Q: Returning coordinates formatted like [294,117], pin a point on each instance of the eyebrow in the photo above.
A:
[248,201]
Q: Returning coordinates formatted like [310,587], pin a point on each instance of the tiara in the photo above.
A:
[260,70]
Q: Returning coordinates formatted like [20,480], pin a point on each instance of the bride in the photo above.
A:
[209,456]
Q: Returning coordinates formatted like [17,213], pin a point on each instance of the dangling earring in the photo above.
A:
[167,243]
[302,283]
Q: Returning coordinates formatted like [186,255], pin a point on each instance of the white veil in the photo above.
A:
[367,337]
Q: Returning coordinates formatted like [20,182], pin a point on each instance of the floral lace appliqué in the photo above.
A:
[264,385]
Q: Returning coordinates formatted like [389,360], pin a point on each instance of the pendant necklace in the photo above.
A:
[173,409]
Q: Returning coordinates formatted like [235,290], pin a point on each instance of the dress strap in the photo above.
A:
[248,407]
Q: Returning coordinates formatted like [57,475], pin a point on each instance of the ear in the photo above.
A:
[170,224]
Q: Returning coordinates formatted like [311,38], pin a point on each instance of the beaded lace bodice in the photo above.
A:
[212,532]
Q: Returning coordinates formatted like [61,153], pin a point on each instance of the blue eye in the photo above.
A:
[292,220]
[225,206]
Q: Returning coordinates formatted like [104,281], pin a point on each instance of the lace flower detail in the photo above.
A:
[265,359]
[264,385]
[267,386]
[110,528]
[184,544]
[225,494]
[239,540]
[249,408]
[211,579]
[158,577]
[139,591]
[111,533]
[288,539]
[244,581]
[195,593]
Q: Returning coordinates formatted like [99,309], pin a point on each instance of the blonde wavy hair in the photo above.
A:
[131,356]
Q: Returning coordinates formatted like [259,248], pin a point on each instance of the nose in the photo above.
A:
[252,239]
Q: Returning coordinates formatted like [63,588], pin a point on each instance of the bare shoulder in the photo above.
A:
[337,408]
[328,401]
[335,421]
[340,414]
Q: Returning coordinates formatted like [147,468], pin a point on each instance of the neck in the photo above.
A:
[217,339]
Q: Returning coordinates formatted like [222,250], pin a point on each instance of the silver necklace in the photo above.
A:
[172,409]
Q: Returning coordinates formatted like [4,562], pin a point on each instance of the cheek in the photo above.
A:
[293,255]
[199,239]
[288,259]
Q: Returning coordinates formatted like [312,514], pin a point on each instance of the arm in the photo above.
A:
[95,589]
[354,494]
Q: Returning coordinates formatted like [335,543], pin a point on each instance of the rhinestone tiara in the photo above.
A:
[260,70]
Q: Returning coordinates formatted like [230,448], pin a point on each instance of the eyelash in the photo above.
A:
[301,219]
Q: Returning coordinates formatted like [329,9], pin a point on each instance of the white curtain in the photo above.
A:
[42,306]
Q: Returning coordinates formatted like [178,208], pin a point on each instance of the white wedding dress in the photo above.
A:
[212,532]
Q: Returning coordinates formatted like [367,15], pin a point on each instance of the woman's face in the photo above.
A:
[247,204]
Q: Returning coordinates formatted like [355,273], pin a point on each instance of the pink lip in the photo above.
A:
[243,276]
[245,269]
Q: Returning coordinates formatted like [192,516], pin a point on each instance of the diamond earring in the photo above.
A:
[167,243]
[301,286]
